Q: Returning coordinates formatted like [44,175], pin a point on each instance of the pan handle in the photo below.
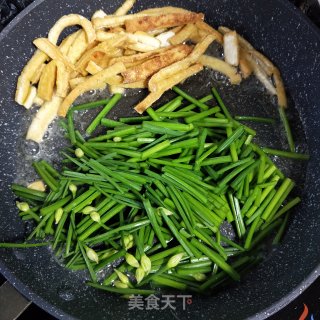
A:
[12,303]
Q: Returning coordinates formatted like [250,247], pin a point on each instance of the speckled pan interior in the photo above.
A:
[274,27]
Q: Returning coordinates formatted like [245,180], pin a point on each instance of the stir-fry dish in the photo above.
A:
[181,197]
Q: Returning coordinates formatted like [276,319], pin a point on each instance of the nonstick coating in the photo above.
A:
[274,27]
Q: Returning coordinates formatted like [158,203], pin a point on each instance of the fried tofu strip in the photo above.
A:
[150,23]
[165,73]
[165,10]
[43,118]
[261,75]
[24,80]
[117,30]
[98,14]
[78,47]
[183,35]
[139,57]
[148,101]
[196,37]
[52,51]
[129,52]
[30,98]
[68,21]
[47,81]
[244,65]
[93,68]
[180,77]
[140,47]
[144,38]
[164,38]
[243,42]
[133,38]
[76,81]
[153,65]
[265,66]
[231,48]
[103,35]
[134,85]
[102,59]
[125,8]
[34,64]
[116,89]
[115,21]
[201,25]
[36,100]
[222,67]
[62,82]
[263,61]
[114,80]
[166,85]
[36,76]
[93,82]
[67,42]
[112,21]
[281,92]
[245,68]
[109,47]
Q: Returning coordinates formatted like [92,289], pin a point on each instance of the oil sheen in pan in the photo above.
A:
[248,98]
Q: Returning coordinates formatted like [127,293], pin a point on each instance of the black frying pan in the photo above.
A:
[274,27]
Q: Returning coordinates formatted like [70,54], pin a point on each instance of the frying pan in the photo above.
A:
[276,28]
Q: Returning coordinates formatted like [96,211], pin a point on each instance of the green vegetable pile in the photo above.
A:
[149,198]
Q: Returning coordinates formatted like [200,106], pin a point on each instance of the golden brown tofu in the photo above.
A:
[150,23]
[153,65]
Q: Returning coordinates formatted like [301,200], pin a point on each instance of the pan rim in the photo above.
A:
[4,270]
[55,311]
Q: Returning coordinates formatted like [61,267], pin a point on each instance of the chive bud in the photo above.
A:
[140,274]
[92,255]
[249,139]
[95,216]
[22,206]
[136,218]
[130,245]
[174,260]
[123,278]
[58,214]
[118,284]
[128,241]
[79,153]
[117,139]
[88,210]
[165,211]
[145,264]
[132,261]
[200,276]
[109,254]
[73,188]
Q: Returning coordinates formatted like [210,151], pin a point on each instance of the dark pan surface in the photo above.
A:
[273,27]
